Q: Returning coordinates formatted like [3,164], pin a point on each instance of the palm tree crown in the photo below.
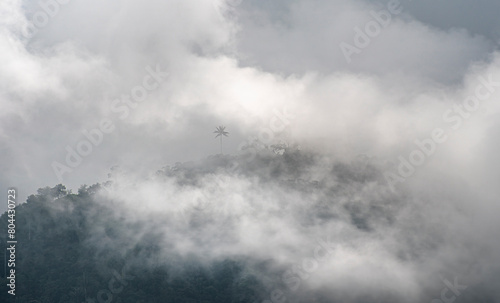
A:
[221,132]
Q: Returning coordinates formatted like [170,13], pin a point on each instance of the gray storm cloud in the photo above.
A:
[431,204]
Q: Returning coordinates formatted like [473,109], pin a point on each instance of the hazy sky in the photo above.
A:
[90,85]
[229,62]
[235,63]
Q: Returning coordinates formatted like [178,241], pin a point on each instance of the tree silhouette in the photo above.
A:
[220,131]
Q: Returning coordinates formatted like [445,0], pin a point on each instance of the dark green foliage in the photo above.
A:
[78,247]
[57,260]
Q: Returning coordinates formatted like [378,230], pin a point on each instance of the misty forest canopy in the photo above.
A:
[198,235]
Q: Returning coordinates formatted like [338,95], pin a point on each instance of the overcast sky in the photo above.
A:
[235,63]
[86,86]
[231,63]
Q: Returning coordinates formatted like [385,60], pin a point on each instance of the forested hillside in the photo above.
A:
[56,262]
[280,224]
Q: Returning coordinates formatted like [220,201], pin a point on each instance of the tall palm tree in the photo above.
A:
[220,131]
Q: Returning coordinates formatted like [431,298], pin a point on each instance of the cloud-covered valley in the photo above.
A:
[365,177]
